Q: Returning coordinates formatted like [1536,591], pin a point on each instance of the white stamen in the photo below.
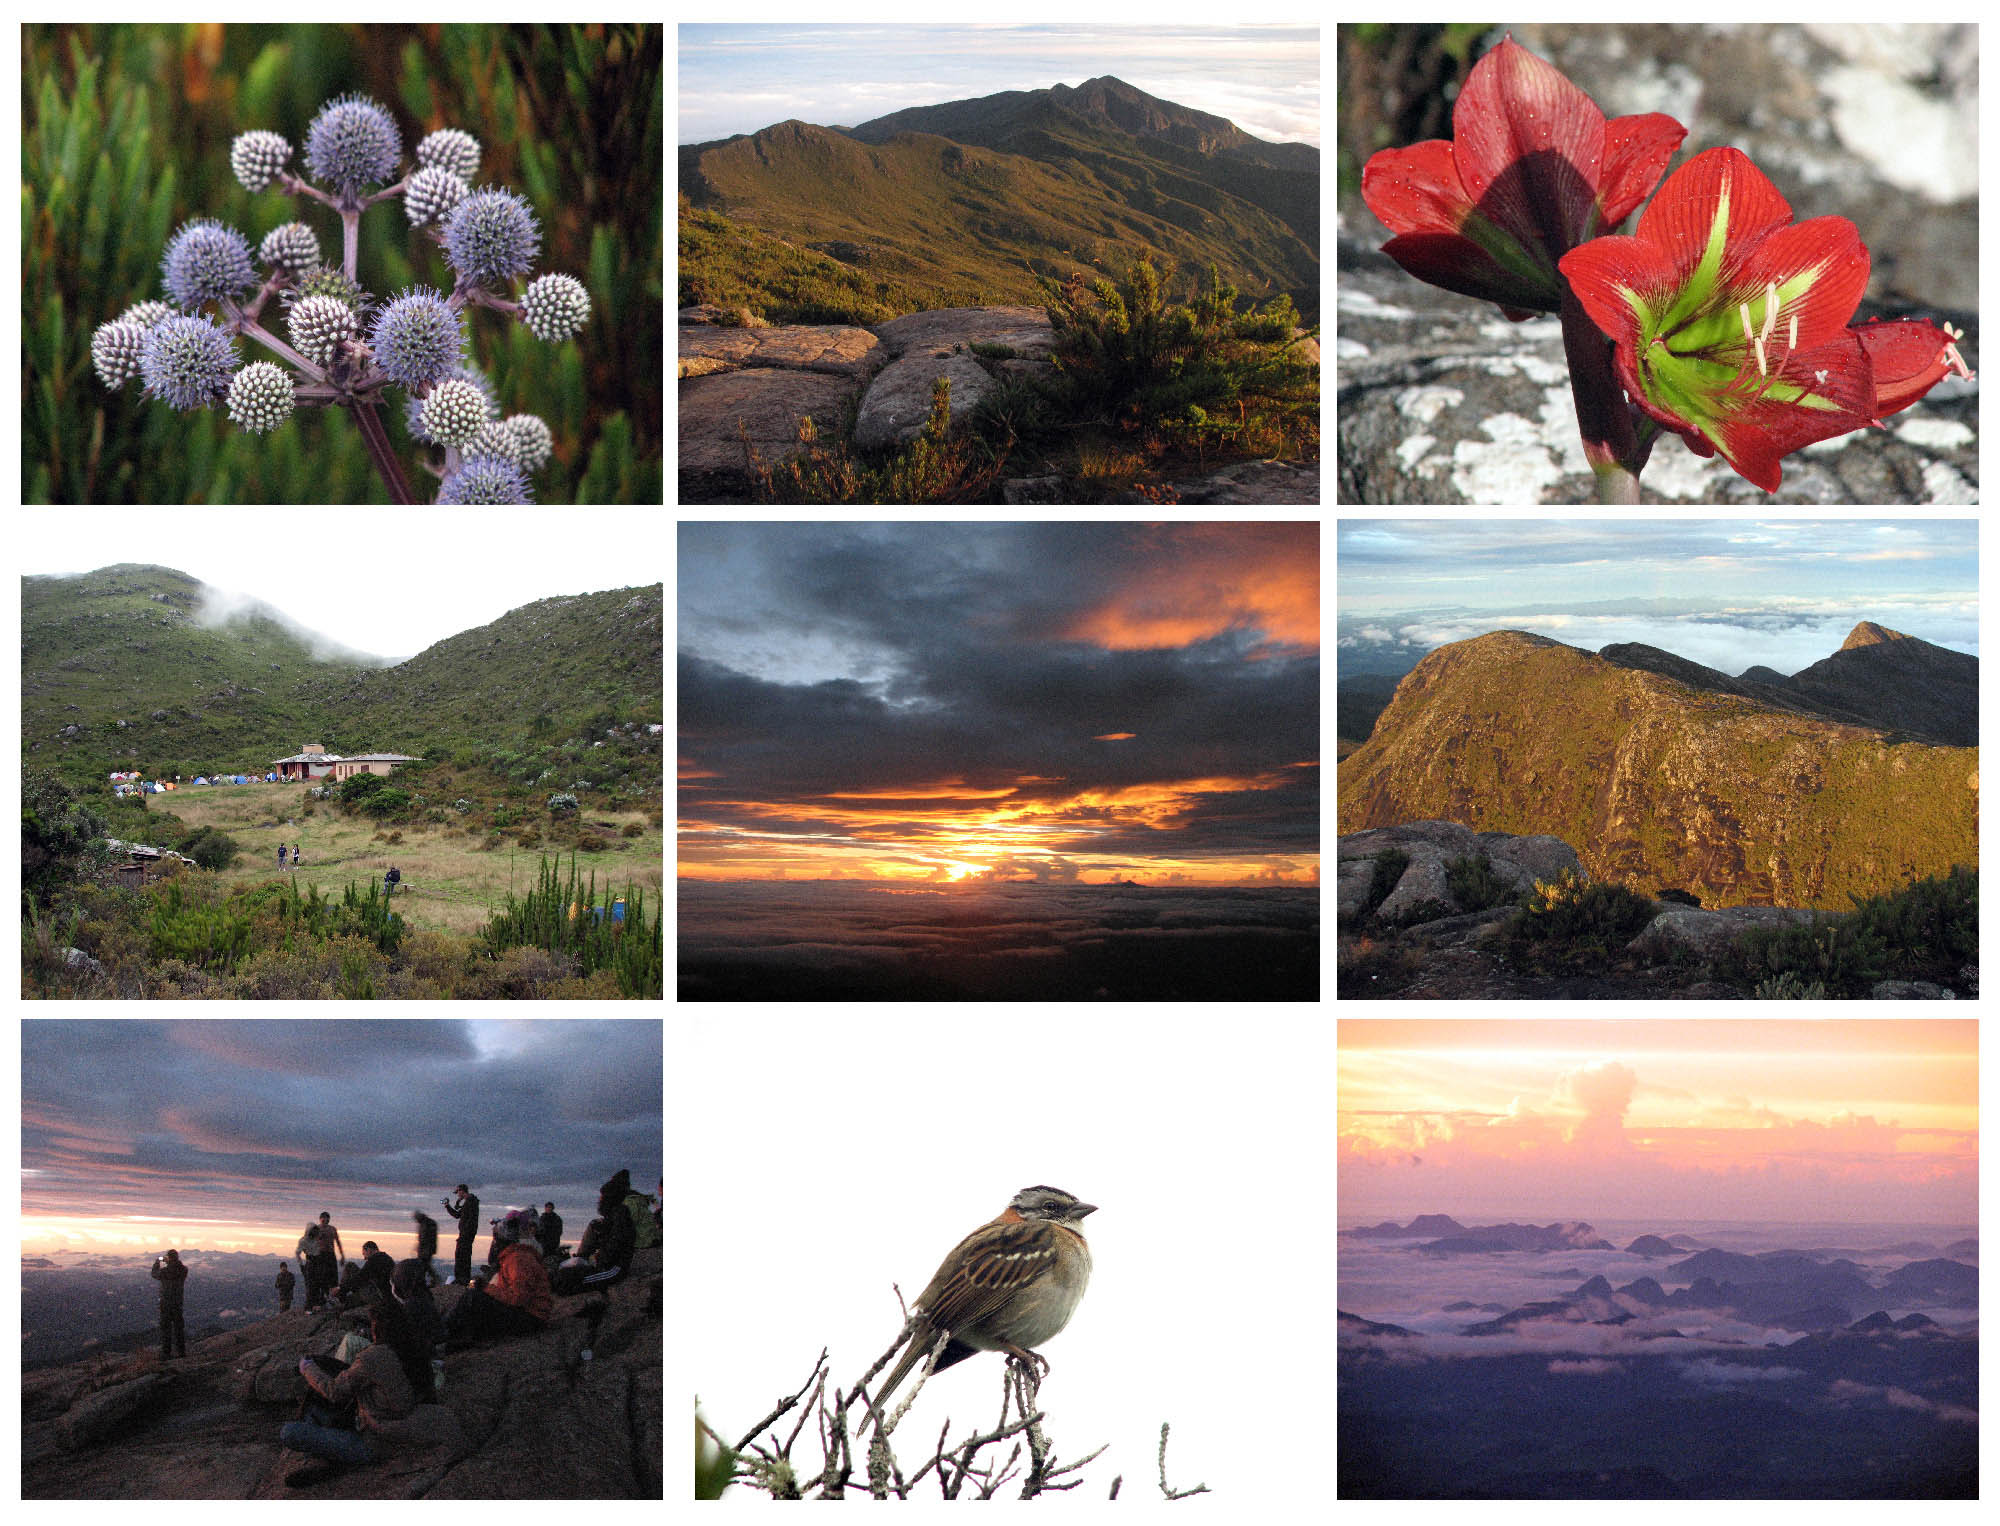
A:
[1762,369]
[1792,340]
[1819,376]
[1770,309]
[1743,311]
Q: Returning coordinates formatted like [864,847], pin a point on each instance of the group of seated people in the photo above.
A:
[380,1392]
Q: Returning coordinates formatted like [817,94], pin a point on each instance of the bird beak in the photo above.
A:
[1083,1209]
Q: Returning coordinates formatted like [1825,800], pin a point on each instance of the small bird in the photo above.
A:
[1008,1286]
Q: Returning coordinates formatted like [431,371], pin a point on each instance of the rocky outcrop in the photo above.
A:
[746,393]
[529,1410]
[1451,952]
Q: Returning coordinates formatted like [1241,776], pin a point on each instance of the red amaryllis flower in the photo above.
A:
[1730,321]
[1909,357]
[1532,170]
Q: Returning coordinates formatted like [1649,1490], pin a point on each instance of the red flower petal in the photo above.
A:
[1457,264]
[1720,182]
[1909,359]
[1529,147]
[1830,248]
[1601,271]
[1755,438]
[1636,151]
[1416,189]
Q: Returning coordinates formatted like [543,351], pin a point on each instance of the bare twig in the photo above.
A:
[1170,1493]
[784,1406]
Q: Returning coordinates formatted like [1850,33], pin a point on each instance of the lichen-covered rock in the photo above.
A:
[898,401]
[1708,934]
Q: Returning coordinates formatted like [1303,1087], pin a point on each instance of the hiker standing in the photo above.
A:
[281,855]
[427,1242]
[391,880]
[172,1278]
[466,1211]
[307,1250]
[549,1232]
[284,1283]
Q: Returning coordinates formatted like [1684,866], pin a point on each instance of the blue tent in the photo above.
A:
[200,780]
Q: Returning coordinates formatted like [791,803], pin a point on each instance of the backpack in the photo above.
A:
[645,1228]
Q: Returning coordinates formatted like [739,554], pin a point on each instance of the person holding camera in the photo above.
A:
[171,1275]
[466,1211]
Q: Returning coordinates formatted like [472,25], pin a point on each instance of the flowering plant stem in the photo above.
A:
[376,438]
[1609,444]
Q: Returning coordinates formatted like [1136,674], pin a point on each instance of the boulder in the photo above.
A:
[838,351]
[1253,482]
[1910,990]
[899,400]
[1521,861]
[97,1415]
[1025,330]
[1707,934]
[769,405]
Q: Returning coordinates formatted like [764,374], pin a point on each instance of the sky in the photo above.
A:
[860,1153]
[968,703]
[1728,594]
[233,1136]
[738,78]
[386,582]
[1861,1121]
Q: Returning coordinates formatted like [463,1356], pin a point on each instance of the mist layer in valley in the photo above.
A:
[1484,1360]
[829,940]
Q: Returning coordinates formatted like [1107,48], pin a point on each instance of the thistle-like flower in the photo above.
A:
[320,323]
[187,362]
[485,479]
[413,413]
[257,157]
[291,246]
[431,194]
[417,338]
[491,237]
[146,314]
[207,262]
[353,143]
[531,441]
[260,398]
[116,348]
[454,412]
[453,151]
[555,307]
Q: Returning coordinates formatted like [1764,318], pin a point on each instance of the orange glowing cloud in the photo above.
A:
[1204,580]
[1116,736]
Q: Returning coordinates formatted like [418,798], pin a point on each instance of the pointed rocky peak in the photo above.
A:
[1868,633]
[1597,1287]
[1879,1320]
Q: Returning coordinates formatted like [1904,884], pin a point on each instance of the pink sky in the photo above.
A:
[1846,1120]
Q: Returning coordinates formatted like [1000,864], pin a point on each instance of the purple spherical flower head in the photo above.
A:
[485,479]
[187,361]
[206,262]
[352,143]
[491,237]
[417,338]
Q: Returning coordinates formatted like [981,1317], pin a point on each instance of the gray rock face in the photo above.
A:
[899,401]
[1430,845]
[836,351]
[1024,330]
[768,405]
[98,1414]
[1254,482]
[1706,934]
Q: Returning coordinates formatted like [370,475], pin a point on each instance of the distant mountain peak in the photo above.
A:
[1868,633]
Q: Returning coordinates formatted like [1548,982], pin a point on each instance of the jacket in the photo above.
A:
[550,1233]
[375,1385]
[172,1277]
[523,1281]
[467,1214]
[427,1235]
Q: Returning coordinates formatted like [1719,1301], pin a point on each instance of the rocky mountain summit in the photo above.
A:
[1663,775]
[526,1416]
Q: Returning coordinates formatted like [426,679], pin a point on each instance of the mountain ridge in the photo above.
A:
[119,670]
[1659,783]
[973,199]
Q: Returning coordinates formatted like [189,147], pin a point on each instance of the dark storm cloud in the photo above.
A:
[211,1115]
[1002,658]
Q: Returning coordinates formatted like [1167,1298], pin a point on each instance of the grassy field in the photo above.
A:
[451,880]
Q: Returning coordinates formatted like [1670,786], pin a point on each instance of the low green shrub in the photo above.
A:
[1571,924]
[1474,885]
